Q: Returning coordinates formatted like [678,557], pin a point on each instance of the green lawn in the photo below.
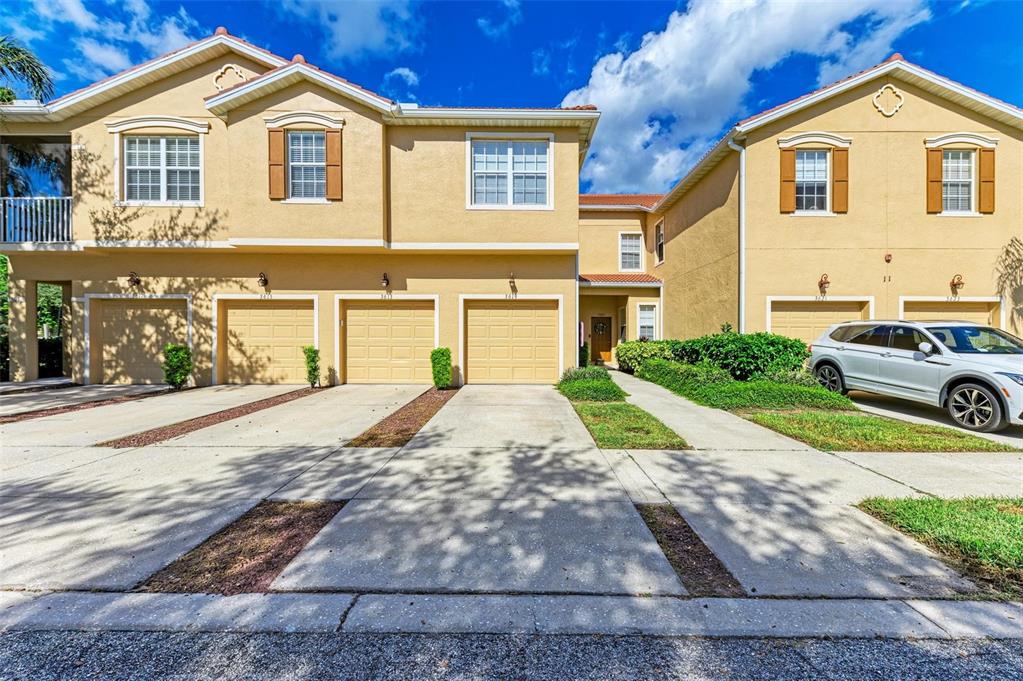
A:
[848,431]
[620,425]
[982,536]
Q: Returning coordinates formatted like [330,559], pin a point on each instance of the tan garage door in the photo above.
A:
[511,342]
[262,340]
[133,334]
[978,313]
[388,341]
[807,320]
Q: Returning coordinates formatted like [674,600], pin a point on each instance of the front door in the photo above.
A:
[600,339]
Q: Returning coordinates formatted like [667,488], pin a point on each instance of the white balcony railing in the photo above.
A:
[35,218]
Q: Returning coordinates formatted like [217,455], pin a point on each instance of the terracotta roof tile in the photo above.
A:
[300,60]
[620,278]
[645,200]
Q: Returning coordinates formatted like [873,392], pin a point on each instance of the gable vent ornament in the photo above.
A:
[221,81]
[888,100]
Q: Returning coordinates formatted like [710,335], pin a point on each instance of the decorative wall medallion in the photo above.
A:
[223,80]
[888,100]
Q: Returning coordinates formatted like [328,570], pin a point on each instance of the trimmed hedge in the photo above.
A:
[177,364]
[632,354]
[584,373]
[440,362]
[743,355]
[591,390]
[714,387]
[312,365]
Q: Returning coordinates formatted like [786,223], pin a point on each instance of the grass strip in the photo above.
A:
[397,429]
[592,390]
[620,425]
[154,435]
[845,431]
[701,572]
[980,536]
[67,409]
[247,555]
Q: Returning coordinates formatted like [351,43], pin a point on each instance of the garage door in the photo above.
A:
[133,334]
[388,342]
[511,342]
[978,313]
[807,320]
[262,340]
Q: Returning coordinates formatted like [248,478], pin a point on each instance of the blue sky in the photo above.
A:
[669,76]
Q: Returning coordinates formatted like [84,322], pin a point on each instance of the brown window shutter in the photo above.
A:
[276,162]
[788,180]
[333,142]
[840,180]
[934,180]
[987,181]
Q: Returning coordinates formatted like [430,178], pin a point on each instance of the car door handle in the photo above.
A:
[886,354]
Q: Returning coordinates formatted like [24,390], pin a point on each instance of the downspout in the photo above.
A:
[742,232]
[578,328]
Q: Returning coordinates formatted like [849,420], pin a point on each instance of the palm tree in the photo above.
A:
[18,63]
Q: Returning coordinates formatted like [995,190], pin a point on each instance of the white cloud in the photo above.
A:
[69,11]
[355,30]
[498,29]
[398,84]
[664,102]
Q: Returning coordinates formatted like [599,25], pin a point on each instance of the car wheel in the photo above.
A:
[975,407]
[830,377]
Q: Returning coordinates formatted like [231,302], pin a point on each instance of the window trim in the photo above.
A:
[642,250]
[659,242]
[974,184]
[288,164]
[623,324]
[827,185]
[472,136]
[657,316]
[121,173]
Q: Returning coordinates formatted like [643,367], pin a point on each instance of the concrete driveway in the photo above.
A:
[20,403]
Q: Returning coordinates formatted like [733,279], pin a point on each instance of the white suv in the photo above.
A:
[975,372]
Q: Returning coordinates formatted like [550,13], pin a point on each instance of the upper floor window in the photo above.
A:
[307,164]
[510,173]
[957,181]
[630,252]
[659,241]
[162,169]
[811,180]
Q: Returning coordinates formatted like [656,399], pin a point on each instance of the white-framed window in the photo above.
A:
[811,180]
[622,325]
[957,181]
[509,172]
[630,252]
[647,320]
[659,242]
[162,169]
[307,164]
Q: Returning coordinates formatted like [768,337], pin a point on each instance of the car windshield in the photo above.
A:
[977,340]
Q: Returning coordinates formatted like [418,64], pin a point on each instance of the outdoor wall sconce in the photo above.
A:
[263,280]
[384,281]
[511,279]
[887,257]
[823,283]
[956,284]
[134,279]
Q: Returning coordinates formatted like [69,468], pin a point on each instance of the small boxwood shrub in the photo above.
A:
[591,390]
[440,362]
[631,354]
[583,373]
[312,365]
[177,364]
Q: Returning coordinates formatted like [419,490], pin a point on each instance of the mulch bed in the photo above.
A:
[148,437]
[701,572]
[398,428]
[247,555]
[54,411]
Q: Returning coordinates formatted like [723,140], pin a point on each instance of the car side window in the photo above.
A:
[843,333]
[871,335]
[906,338]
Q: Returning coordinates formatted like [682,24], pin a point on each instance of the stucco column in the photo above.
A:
[66,338]
[24,346]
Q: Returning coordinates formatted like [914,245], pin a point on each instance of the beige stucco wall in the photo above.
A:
[598,239]
[887,212]
[203,275]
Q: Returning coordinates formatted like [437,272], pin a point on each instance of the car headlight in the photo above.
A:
[1016,378]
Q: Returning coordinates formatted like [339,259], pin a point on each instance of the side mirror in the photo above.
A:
[926,348]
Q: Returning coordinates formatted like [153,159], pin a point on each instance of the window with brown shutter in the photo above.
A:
[934,180]
[839,180]
[986,175]
[788,180]
[333,138]
[275,136]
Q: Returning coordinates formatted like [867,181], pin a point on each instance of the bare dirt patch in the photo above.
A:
[247,555]
[701,572]
[67,409]
[398,428]
[149,437]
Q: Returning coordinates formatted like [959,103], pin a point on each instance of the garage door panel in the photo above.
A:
[264,340]
[807,320]
[985,313]
[511,342]
[388,341]
[133,333]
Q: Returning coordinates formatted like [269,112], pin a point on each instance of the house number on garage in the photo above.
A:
[266,296]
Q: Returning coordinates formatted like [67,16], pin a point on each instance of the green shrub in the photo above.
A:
[631,354]
[583,373]
[592,390]
[177,364]
[312,365]
[584,355]
[440,361]
[745,355]
[683,379]
[793,377]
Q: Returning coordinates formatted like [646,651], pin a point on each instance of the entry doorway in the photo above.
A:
[600,339]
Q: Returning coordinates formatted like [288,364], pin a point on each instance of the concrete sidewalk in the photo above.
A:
[38,400]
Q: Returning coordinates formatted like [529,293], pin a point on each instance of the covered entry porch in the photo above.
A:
[614,308]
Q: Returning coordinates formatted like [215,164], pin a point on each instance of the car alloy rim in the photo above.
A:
[829,378]
[972,408]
